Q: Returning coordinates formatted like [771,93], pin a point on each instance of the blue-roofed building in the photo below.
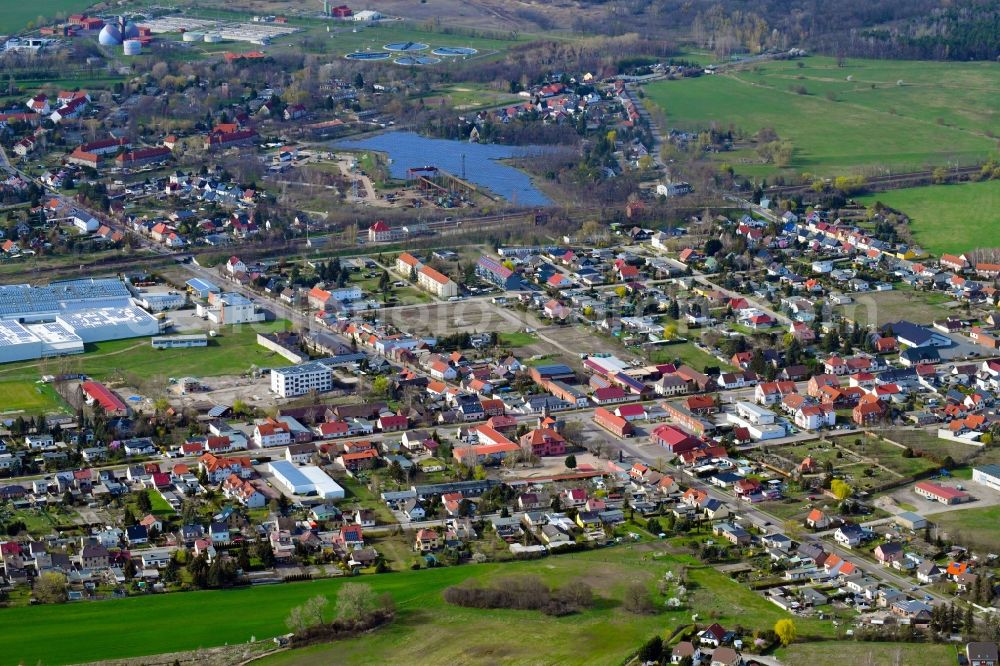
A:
[202,288]
[554,371]
[630,383]
[917,355]
[494,272]
[913,335]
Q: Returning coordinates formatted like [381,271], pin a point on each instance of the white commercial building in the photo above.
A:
[367,15]
[301,379]
[230,308]
[988,475]
[158,301]
[305,480]
[754,414]
[757,431]
[180,341]
[99,324]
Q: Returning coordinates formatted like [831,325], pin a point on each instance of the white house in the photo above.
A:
[272,433]
[811,417]
[85,222]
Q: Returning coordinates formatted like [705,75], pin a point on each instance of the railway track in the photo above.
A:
[884,183]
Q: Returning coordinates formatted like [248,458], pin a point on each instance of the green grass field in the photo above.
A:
[975,528]
[837,653]
[941,113]
[949,218]
[688,355]
[14,16]
[25,396]
[888,455]
[519,339]
[426,631]
[232,352]
[885,307]
[465,97]
[930,443]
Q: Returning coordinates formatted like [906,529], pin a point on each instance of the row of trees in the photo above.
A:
[357,607]
[524,593]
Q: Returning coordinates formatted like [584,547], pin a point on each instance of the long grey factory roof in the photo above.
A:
[23,298]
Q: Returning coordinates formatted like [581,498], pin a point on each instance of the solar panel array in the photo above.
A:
[23,299]
[100,317]
[54,333]
[13,334]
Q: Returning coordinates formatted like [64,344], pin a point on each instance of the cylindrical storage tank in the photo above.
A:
[131,31]
[193,37]
[133,47]
[213,38]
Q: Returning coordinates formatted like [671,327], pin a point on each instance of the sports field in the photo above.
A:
[863,116]
[14,16]
[233,351]
[28,397]
[426,631]
[949,218]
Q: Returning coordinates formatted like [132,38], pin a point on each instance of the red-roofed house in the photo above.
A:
[393,423]
[543,442]
[633,412]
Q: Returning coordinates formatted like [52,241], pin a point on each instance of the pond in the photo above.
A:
[409,150]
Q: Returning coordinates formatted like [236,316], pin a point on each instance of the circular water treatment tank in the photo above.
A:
[361,55]
[110,36]
[213,38]
[406,47]
[133,47]
[454,51]
[193,37]
[416,60]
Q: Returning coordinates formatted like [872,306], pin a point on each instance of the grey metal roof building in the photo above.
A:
[28,302]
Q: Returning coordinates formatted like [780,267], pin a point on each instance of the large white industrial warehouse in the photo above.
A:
[27,303]
[102,324]
[58,319]
[305,480]
[22,342]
